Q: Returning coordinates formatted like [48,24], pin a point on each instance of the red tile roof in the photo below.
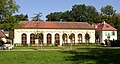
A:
[105,26]
[54,25]
[2,34]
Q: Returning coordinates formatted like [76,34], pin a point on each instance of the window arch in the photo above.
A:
[72,37]
[80,38]
[87,37]
[32,39]
[64,37]
[24,39]
[57,39]
[41,36]
[49,39]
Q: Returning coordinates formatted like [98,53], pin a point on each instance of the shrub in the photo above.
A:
[115,43]
[1,42]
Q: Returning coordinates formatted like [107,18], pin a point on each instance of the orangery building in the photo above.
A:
[53,33]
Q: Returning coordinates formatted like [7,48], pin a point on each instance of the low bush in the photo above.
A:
[1,42]
[115,43]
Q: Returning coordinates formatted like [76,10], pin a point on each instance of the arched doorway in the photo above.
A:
[24,39]
[72,38]
[87,38]
[79,38]
[57,39]
[64,37]
[49,39]
[40,38]
[32,39]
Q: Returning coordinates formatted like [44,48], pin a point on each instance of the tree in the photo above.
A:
[7,9]
[37,17]
[56,16]
[67,16]
[60,16]
[108,10]
[83,13]
[21,17]
[79,13]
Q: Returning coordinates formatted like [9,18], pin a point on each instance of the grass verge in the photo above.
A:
[77,56]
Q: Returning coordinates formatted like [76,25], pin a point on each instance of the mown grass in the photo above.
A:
[80,55]
[33,57]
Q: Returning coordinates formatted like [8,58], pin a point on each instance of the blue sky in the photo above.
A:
[32,7]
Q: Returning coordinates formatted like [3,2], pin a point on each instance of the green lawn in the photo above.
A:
[34,57]
[78,56]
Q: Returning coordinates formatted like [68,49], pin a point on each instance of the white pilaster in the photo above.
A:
[92,37]
[68,38]
[61,39]
[28,38]
[44,38]
[83,37]
[76,37]
[53,38]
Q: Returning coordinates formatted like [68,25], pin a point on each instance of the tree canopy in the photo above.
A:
[79,13]
[7,9]
[83,13]
[108,10]
[56,16]
[21,17]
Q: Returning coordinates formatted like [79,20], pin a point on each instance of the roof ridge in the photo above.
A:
[105,26]
[54,25]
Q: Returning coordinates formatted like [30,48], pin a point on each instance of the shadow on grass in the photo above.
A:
[94,56]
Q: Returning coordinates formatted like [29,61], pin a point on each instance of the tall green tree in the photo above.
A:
[108,10]
[7,9]
[67,16]
[83,13]
[56,16]
[79,13]
[21,17]
[60,16]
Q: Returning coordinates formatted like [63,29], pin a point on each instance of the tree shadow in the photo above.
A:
[94,56]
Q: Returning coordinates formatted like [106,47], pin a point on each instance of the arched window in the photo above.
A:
[41,38]
[64,37]
[24,39]
[72,38]
[32,39]
[57,39]
[87,37]
[80,38]
[49,39]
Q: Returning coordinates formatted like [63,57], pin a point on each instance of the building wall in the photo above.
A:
[105,34]
[19,32]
